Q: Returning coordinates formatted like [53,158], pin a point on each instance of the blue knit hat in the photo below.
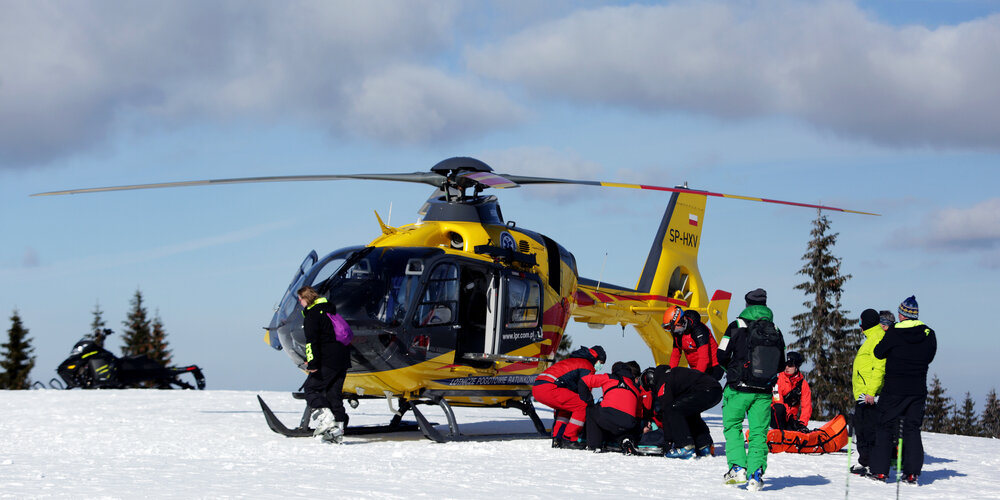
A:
[909,309]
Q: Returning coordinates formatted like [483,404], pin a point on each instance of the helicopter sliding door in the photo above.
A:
[516,312]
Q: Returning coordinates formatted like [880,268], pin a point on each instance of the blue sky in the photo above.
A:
[887,107]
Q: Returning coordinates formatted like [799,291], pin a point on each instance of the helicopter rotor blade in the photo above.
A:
[525,180]
[431,178]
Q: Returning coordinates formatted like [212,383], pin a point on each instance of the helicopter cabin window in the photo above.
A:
[523,303]
[439,301]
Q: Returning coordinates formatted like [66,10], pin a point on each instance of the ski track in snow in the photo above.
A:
[216,444]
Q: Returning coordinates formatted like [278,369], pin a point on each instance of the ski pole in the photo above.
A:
[899,458]
[850,440]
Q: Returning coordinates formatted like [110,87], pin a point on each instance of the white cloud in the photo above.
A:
[976,227]
[827,63]
[411,104]
[71,72]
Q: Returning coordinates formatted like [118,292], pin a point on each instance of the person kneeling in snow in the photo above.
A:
[791,403]
[680,395]
[616,417]
[556,388]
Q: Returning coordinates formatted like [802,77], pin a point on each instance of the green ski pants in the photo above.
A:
[737,406]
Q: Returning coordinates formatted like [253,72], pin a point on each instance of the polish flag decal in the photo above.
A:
[693,219]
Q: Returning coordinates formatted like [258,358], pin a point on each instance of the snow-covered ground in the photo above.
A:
[216,444]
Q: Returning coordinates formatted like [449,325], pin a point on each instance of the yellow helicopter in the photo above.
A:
[464,309]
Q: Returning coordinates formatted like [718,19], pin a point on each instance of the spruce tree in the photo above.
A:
[158,338]
[826,338]
[964,420]
[937,411]
[97,325]
[136,337]
[989,421]
[17,360]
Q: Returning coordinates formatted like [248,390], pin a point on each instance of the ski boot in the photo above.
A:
[756,481]
[882,478]
[859,469]
[334,434]
[910,479]
[705,451]
[682,453]
[321,420]
[736,475]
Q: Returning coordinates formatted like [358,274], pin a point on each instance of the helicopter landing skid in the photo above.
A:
[303,430]
[454,434]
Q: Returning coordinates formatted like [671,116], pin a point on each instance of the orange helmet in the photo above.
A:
[671,317]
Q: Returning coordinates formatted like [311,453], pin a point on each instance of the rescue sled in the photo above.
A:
[827,439]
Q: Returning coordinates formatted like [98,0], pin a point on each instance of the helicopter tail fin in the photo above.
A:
[671,272]
[671,269]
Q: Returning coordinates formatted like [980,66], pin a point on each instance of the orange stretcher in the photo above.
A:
[827,439]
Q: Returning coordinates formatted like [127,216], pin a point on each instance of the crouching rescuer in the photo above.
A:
[327,361]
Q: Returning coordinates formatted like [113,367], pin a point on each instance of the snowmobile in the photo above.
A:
[91,366]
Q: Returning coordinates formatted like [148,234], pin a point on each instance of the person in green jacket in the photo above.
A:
[867,382]
[751,402]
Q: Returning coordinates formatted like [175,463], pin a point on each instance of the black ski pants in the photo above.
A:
[607,424]
[682,422]
[910,408]
[324,389]
[866,420]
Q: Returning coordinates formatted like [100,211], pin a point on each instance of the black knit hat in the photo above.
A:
[869,318]
[757,297]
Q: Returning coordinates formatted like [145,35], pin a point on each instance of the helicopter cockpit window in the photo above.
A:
[439,301]
[523,303]
[327,269]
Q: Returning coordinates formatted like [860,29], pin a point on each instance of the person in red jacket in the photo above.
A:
[556,388]
[694,339]
[791,406]
[616,417]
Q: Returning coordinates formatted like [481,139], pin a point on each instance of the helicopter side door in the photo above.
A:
[515,312]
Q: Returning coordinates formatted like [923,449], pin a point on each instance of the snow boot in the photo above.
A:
[321,420]
[860,470]
[756,481]
[682,453]
[736,475]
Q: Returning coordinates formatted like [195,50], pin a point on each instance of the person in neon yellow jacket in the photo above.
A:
[868,374]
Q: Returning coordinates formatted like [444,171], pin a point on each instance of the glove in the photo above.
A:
[861,399]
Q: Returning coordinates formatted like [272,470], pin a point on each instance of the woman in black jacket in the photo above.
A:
[327,361]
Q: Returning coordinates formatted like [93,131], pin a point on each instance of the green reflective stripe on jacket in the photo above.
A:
[869,371]
[309,352]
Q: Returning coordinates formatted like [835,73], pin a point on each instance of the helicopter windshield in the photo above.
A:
[378,286]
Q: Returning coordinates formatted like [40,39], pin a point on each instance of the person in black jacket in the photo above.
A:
[908,348]
[681,394]
[327,361]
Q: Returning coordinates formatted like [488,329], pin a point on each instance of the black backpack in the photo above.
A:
[764,357]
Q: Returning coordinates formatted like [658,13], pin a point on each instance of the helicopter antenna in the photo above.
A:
[601,276]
